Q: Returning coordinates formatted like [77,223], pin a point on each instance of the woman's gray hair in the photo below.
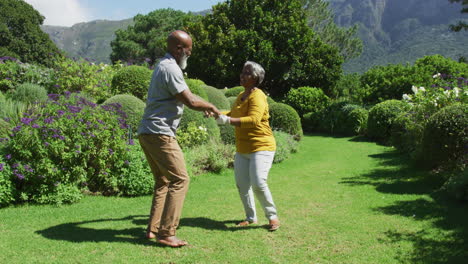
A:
[257,71]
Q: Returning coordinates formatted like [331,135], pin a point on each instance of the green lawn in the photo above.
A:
[340,200]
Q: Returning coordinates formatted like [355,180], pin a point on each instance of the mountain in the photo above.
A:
[393,31]
[87,40]
[401,31]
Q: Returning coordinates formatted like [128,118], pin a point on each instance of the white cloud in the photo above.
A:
[61,12]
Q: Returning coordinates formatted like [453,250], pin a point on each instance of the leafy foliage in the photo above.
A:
[132,80]
[272,33]
[217,98]
[145,41]
[382,117]
[322,20]
[67,145]
[21,35]
[132,106]
[446,137]
[29,93]
[285,146]
[234,91]
[284,118]
[306,100]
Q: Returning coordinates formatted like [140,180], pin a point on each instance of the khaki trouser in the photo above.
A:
[171,182]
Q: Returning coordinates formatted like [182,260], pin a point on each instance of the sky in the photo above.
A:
[70,12]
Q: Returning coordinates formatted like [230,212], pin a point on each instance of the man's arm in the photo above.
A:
[196,103]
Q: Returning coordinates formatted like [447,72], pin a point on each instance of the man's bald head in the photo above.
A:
[179,45]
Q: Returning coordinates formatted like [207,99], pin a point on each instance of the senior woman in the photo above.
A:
[255,145]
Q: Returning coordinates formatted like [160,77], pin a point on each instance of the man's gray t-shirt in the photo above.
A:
[163,111]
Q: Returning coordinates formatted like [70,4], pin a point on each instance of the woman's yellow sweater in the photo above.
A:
[254,133]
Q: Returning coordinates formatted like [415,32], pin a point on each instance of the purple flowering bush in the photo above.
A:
[68,145]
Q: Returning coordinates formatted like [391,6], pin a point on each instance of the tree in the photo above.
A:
[461,25]
[273,33]
[21,36]
[321,19]
[146,39]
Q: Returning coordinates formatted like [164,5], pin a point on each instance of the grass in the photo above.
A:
[340,200]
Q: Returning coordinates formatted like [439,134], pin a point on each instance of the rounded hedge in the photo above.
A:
[284,118]
[29,93]
[232,100]
[407,132]
[216,97]
[132,80]
[131,105]
[381,118]
[270,101]
[192,116]
[446,136]
[197,87]
[234,91]
[307,99]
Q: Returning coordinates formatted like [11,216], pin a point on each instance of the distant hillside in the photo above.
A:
[393,31]
[400,31]
[87,40]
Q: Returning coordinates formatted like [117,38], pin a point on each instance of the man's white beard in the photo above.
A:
[183,61]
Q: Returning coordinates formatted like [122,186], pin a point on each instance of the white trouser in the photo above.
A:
[251,171]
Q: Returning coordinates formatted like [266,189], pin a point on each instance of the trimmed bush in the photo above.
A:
[197,87]
[232,101]
[285,145]
[446,137]
[307,99]
[234,91]
[457,185]
[285,118]
[216,97]
[270,101]
[131,105]
[407,131]
[29,93]
[381,118]
[132,80]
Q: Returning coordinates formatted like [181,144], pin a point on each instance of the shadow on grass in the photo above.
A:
[79,232]
[447,242]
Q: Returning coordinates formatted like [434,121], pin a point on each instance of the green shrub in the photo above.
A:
[382,83]
[192,135]
[232,101]
[407,130]
[83,76]
[78,146]
[285,145]
[12,109]
[6,186]
[9,75]
[135,177]
[234,91]
[197,87]
[446,137]
[132,106]
[211,157]
[349,87]
[270,101]
[381,118]
[5,128]
[306,99]
[132,80]
[14,73]
[457,185]
[29,93]
[228,134]
[285,118]
[357,121]
[196,119]
[217,98]
[341,118]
